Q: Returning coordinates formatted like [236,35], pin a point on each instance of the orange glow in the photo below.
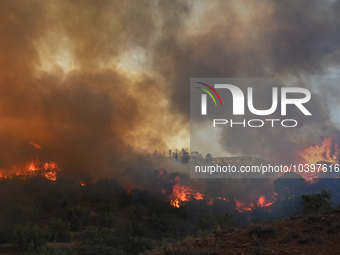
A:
[327,152]
[310,180]
[210,201]
[48,170]
[316,153]
[82,184]
[262,202]
[222,198]
[35,145]
[184,193]
[241,206]
[174,203]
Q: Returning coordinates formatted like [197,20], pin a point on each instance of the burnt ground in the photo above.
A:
[299,234]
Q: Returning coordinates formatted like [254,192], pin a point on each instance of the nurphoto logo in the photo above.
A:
[238,105]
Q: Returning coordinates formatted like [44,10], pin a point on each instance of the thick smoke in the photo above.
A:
[61,86]
[266,39]
[97,82]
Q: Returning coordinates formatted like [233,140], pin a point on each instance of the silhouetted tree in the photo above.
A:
[185,155]
[195,156]
[208,158]
[175,154]
[170,153]
[315,202]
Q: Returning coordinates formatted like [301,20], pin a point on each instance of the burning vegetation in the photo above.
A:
[327,152]
[88,89]
[35,167]
[174,206]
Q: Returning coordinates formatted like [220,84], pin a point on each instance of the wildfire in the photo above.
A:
[184,193]
[210,201]
[325,152]
[174,203]
[261,202]
[310,180]
[49,170]
[222,198]
[241,206]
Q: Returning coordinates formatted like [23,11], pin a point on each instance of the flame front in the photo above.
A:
[261,202]
[325,152]
[241,206]
[174,203]
[184,193]
[48,170]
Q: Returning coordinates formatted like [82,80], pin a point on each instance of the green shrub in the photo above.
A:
[206,222]
[21,214]
[60,229]
[30,237]
[315,202]
[76,215]
[225,221]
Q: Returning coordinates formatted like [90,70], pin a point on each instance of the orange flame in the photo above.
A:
[48,170]
[316,153]
[327,152]
[222,198]
[261,202]
[241,206]
[184,193]
[174,203]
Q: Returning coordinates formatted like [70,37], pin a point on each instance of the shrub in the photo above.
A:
[106,220]
[30,237]
[206,222]
[105,207]
[21,214]
[125,199]
[59,229]
[137,244]
[76,215]
[168,226]
[225,221]
[315,202]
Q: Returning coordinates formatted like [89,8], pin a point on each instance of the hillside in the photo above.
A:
[313,234]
